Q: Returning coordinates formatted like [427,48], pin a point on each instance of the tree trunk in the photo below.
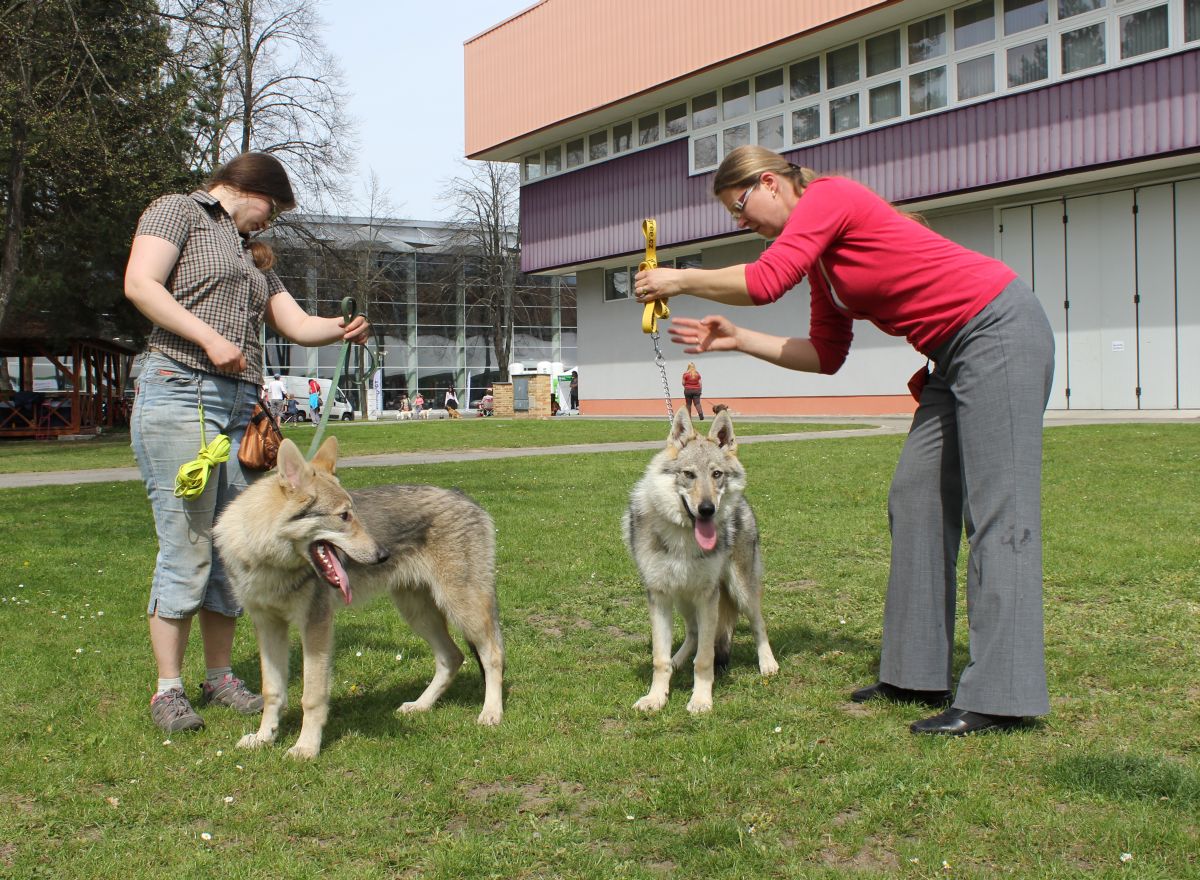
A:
[14,219]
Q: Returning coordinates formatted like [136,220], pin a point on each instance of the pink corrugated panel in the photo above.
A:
[563,58]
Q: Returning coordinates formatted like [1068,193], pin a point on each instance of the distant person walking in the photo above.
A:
[276,396]
[691,391]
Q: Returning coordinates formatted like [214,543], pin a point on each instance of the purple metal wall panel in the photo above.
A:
[1117,116]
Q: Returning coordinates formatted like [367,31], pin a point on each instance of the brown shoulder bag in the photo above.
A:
[260,444]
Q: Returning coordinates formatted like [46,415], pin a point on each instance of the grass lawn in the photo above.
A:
[373,438]
[785,778]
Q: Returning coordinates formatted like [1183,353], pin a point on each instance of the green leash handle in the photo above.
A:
[349,310]
[193,476]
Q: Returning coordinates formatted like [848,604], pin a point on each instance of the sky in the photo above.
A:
[403,65]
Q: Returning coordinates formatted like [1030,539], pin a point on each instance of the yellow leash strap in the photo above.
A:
[193,476]
[658,308]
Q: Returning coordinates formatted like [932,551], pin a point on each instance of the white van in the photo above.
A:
[297,386]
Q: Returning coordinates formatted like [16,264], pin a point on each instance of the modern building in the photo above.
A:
[1061,136]
[434,309]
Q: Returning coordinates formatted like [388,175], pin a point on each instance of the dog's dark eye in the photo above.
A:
[345,516]
[717,475]
[691,475]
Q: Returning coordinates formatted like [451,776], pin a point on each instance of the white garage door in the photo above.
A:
[1119,276]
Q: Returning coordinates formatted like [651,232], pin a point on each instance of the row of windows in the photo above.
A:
[618,283]
[967,53]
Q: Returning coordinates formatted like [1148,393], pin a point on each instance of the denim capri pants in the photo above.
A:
[165,432]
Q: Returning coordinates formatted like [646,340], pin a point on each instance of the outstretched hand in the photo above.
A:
[710,333]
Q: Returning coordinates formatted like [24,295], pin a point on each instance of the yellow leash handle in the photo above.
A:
[193,476]
[658,308]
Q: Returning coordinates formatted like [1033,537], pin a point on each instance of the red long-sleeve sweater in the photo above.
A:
[885,267]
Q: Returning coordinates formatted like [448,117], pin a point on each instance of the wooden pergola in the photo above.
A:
[90,381]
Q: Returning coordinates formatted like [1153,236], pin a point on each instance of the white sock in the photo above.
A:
[166,684]
[214,676]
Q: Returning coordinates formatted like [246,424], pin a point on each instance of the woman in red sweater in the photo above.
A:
[974,450]
[691,391]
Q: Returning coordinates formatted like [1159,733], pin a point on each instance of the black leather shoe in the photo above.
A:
[960,722]
[881,690]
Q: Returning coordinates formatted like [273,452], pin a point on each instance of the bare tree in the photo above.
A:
[261,79]
[485,204]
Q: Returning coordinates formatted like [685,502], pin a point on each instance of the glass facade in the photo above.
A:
[441,316]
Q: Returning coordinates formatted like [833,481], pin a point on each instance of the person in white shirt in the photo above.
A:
[276,395]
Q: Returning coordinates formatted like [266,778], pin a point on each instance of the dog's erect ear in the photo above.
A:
[326,457]
[293,470]
[721,432]
[682,431]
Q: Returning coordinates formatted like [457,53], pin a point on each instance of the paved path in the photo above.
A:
[873,426]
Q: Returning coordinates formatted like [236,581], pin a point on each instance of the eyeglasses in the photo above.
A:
[739,204]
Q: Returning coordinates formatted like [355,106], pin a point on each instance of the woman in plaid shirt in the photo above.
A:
[207,288]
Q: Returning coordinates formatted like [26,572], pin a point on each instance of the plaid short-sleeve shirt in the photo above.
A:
[215,279]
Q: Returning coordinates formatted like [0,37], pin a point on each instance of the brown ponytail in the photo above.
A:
[261,174]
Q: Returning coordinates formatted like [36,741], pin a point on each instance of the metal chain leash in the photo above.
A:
[662,369]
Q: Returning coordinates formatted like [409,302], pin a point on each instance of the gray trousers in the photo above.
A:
[974,456]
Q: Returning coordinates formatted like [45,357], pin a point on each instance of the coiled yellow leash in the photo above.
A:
[658,308]
[193,476]
[655,310]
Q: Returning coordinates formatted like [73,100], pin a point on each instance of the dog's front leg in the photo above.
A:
[689,639]
[706,635]
[272,632]
[660,652]
[316,641]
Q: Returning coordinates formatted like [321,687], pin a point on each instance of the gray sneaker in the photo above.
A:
[172,712]
[231,691]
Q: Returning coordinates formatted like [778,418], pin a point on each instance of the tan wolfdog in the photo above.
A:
[295,539]
[695,542]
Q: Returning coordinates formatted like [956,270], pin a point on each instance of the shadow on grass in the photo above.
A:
[1127,778]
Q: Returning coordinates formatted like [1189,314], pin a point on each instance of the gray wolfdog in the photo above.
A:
[295,539]
[695,542]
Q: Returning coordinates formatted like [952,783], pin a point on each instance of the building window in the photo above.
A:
[1071,8]
[1143,32]
[843,113]
[648,129]
[974,24]
[805,78]
[574,153]
[927,90]
[1083,48]
[704,154]
[885,102]
[806,124]
[734,137]
[1021,15]
[768,90]
[533,166]
[1027,63]
[597,145]
[616,284]
[883,53]
[704,110]
[676,118]
[554,159]
[1191,20]
[735,100]
[622,137]
[976,77]
[927,39]
[841,66]
[770,133]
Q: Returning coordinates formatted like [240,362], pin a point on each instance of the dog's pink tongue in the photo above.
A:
[331,568]
[706,534]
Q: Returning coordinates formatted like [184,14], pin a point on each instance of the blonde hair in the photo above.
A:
[744,166]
